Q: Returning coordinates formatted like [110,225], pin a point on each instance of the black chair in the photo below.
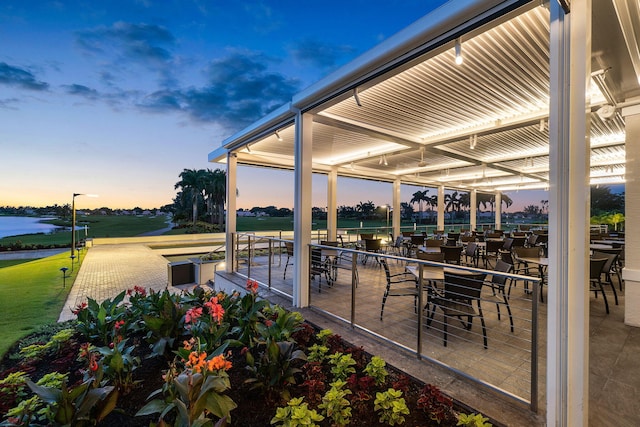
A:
[492,249]
[451,254]
[371,246]
[497,284]
[289,248]
[397,285]
[608,268]
[596,267]
[456,300]
[615,267]
[470,254]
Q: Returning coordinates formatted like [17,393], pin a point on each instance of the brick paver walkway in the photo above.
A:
[109,269]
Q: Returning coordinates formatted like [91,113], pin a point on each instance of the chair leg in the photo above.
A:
[604,296]
[484,328]
[610,281]
[384,300]
[506,302]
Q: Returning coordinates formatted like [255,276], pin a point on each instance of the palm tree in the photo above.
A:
[419,197]
[216,191]
[192,182]
[366,209]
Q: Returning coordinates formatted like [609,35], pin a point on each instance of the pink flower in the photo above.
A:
[79,308]
[193,314]
[252,286]
[216,310]
[268,323]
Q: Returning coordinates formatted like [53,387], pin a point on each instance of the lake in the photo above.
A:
[17,225]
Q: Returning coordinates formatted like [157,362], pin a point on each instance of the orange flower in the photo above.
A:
[218,363]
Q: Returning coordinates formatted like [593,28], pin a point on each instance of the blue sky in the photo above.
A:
[116,98]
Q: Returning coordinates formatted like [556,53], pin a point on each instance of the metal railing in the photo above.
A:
[348,284]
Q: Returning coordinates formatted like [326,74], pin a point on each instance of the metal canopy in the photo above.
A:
[482,124]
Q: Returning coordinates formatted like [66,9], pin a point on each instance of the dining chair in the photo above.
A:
[471,253]
[461,290]
[615,267]
[451,254]
[371,246]
[596,267]
[289,248]
[497,285]
[608,269]
[398,284]
[491,251]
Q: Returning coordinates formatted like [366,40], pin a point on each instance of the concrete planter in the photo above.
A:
[204,270]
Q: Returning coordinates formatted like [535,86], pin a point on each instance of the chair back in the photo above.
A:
[472,248]
[518,234]
[507,244]
[467,239]
[518,242]
[431,256]
[433,243]
[399,242]
[453,236]
[493,235]
[498,279]
[316,259]
[451,253]
[596,268]
[372,245]
[493,246]
[289,248]
[365,236]
[407,233]
[610,257]
[532,240]
[387,272]
[417,240]
[329,243]
[506,256]
[463,286]
[523,252]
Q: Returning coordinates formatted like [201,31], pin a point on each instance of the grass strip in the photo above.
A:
[31,294]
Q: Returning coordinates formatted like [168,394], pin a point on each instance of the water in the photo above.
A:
[17,225]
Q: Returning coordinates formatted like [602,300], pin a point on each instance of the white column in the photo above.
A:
[473,209]
[440,221]
[232,179]
[397,212]
[302,208]
[498,213]
[568,295]
[332,213]
[631,272]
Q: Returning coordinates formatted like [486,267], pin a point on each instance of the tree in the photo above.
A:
[215,190]
[407,210]
[604,201]
[366,209]
[419,197]
[192,182]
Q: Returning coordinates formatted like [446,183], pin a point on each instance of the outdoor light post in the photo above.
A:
[73,223]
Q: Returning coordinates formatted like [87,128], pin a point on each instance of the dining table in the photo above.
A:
[596,246]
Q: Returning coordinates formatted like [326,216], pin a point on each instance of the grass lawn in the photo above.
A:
[31,294]
[10,262]
[98,226]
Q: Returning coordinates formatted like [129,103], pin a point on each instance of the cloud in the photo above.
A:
[20,77]
[125,43]
[8,103]
[81,90]
[239,90]
[319,54]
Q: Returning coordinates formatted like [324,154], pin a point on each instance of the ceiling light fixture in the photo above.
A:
[458,52]
[384,160]
[542,125]
[356,97]
[473,140]
[422,163]
[278,136]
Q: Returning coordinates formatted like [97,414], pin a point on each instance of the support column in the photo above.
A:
[568,295]
[397,212]
[631,271]
[230,218]
[441,208]
[473,209]
[302,208]
[498,212]
[332,213]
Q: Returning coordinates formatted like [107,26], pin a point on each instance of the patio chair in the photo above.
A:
[456,300]
[471,253]
[608,269]
[289,248]
[596,267]
[398,284]
[497,284]
[371,246]
[491,251]
[451,254]
[617,264]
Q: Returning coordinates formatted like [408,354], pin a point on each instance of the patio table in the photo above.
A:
[542,263]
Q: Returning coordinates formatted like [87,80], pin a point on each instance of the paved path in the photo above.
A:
[109,269]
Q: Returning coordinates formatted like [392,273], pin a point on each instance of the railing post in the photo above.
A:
[249,254]
[269,261]
[354,273]
[534,348]
[420,311]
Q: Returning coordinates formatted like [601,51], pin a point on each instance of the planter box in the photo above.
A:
[204,270]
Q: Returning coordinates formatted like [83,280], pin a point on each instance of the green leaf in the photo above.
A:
[220,405]
[153,407]
[48,394]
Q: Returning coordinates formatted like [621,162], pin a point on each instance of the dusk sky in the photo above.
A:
[116,98]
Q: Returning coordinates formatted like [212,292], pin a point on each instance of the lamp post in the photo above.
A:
[73,223]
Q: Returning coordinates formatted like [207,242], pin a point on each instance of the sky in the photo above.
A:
[116,98]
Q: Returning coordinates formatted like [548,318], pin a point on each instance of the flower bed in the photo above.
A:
[205,359]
